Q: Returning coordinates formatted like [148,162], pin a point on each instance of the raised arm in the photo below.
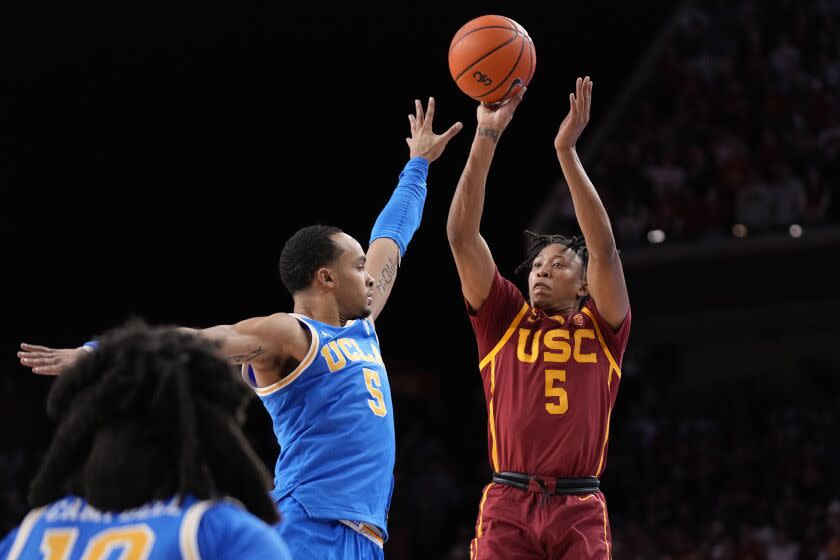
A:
[605,274]
[258,340]
[264,341]
[472,254]
[401,216]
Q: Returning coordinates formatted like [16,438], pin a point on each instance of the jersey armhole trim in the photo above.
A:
[188,532]
[484,361]
[23,533]
[307,360]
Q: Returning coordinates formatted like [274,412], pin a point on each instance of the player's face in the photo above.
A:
[354,286]
[556,279]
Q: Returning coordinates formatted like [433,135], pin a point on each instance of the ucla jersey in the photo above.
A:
[188,529]
[334,421]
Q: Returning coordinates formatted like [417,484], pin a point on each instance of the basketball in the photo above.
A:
[491,58]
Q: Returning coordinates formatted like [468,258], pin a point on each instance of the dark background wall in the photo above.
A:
[155,160]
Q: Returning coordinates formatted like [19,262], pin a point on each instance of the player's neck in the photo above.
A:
[563,309]
[322,309]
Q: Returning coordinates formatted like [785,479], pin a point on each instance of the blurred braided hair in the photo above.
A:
[536,242]
[152,413]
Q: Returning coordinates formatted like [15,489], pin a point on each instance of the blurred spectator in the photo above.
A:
[739,123]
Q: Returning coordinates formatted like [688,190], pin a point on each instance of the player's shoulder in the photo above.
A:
[269,324]
[284,324]
[504,291]
[284,319]
[502,282]
[227,530]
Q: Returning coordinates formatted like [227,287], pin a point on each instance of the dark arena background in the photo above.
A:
[155,159]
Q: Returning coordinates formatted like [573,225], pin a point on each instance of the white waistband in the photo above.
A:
[367,530]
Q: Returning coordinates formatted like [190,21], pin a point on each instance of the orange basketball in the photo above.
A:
[491,58]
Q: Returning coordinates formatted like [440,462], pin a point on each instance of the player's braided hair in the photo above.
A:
[152,413]
[536,242]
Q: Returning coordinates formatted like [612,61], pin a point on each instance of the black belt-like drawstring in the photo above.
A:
[548,486]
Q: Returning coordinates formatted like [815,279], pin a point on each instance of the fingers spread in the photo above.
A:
[453,130]
[430,112]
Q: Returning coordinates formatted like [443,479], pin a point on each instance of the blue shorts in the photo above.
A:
[322,539]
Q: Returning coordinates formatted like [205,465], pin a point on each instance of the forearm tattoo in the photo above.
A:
[490,133]
[386,277]
[245,358]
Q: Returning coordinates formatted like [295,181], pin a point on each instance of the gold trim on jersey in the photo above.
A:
[304,363]
[613,363]
[490,358]
[613,367]
[604,446]
[504,338]
[494,449]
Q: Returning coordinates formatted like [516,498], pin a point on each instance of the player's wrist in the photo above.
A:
[419,160]
[489,133]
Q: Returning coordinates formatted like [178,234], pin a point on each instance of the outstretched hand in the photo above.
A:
[494,117]
[49,361]
[424,142]
[578,117]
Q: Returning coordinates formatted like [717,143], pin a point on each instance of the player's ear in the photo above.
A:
[583,288]
[325,277]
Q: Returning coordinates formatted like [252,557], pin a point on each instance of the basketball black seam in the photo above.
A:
[530,60]
[509,41]
[530,53]
[512,85]
[452,46]
[513,23]
[518,58]
[480,28]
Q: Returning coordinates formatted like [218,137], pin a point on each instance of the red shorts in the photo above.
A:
[517,525]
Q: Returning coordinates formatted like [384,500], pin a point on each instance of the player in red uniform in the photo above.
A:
[551,365]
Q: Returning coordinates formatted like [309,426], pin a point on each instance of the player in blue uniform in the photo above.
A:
[319,370]
[148,460]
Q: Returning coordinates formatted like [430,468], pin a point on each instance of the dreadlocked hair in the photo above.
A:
[151,413]
[536,242]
